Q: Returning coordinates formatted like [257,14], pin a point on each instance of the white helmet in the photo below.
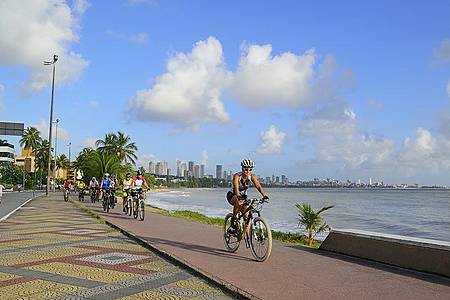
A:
[247,163]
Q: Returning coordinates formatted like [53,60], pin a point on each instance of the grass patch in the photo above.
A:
[286,237]
[87,210]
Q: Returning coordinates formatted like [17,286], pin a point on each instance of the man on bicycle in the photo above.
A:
[238,192]
[105,185]
[126,185]
[81,187]
[67,186]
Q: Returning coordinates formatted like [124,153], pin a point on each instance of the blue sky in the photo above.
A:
[326,89]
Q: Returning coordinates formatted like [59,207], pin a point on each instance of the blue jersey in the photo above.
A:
[105,184]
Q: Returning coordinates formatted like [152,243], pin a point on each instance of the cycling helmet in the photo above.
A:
[106,174]
[128,174]
[93,178]
[139,172]
[247,163]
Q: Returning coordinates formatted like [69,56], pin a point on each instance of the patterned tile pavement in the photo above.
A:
[52,250]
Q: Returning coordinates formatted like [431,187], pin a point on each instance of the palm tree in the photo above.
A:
[31,138]
[62,162]
[41,156]
[311,220]
[120,145]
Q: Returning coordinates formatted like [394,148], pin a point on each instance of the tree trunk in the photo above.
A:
[309,237]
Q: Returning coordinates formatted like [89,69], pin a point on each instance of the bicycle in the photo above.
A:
[128,203]
[94,195]
[112,198]
[254,230]
[106,200]
[66,195]
[81,195]
[138,204]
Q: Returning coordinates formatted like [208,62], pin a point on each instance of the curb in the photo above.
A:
[229,288]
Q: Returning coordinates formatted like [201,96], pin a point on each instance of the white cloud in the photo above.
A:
[89,142]
[31,32]
[443,52]
[93,104]
[262,79]
[42,126]
[140,38]
[80,6]
[271,141]
[189,92]
[338,138]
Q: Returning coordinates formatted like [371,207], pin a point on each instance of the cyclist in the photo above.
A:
[81,187]
[126,185]
[67,186]
[238,192]
[137,183]
[105,184]
[113,186]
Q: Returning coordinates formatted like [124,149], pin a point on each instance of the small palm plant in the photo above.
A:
[312,220]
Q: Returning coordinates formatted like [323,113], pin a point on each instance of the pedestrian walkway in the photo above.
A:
[49,249]
[290,273]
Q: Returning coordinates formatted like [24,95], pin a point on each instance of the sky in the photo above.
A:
[338,89]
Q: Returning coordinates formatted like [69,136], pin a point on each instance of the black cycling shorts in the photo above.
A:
[230,195]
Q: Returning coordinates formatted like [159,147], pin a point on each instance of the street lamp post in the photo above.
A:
[47,63]
[68,169]
[56,154]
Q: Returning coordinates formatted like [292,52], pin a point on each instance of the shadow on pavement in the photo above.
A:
[196,248]
[378,265]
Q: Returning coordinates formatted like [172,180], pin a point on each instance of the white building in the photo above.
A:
[7,153]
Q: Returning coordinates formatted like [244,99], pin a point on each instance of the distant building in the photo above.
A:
[219,171]
[284,180]
[151,167]
[191,167]
[7,153]
[202,170]
[267,180]
[183,170]
[160,169]
[179,174]
[26,157]
[196,171]
[277,180]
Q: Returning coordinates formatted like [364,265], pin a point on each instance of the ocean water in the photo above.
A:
[415,212]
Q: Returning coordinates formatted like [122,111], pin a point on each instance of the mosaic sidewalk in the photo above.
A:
[51,250]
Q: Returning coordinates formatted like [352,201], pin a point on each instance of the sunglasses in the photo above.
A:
[247,169]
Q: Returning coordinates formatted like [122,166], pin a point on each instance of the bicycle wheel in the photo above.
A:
[231,239]
[129,206]
[141,210]
[260,239]
[66,196]
[135,208]
[107,203]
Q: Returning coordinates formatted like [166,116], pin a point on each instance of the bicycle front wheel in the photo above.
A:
[231,239]
[141,210]
[260,239]
[129,207]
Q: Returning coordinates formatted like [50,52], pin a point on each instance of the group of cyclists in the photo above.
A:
[107,186]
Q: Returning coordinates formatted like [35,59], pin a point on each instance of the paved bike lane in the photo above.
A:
[49,249]
[290,273]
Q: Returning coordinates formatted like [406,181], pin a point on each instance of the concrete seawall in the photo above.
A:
[418,254]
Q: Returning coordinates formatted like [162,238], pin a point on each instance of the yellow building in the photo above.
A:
[27,157]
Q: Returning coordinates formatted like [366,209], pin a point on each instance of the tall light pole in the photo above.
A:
[68,169]
[56,154]
[48,63]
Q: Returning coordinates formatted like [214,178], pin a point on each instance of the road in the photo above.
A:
[13,200]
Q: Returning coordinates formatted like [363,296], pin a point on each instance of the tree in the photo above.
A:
[41,157]
[62,162]
[95,163]
[311,220]
[120,145]
[31,138]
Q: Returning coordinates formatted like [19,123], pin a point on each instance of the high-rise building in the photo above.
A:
[165,167]
[160,168]
[277,179]
[267,180]
[224,175]
[151,167]
[191,167]
[284,179]
[179,174]
[197,171]
[202,170]
[219,171]
[183,170]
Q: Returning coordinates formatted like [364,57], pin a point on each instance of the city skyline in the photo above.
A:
[321,89]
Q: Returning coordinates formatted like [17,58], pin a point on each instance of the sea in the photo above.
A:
[420,213]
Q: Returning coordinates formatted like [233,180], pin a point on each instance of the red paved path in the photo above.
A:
[290,272]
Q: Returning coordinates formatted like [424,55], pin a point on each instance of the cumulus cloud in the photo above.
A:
[271,141]
[42,126]
[189,92]
[264,79]
[32,31]
[140,38]
[443,52]
[144,159]
[80,6]
[334,127]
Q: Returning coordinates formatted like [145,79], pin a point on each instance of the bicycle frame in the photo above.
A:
[250,209]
